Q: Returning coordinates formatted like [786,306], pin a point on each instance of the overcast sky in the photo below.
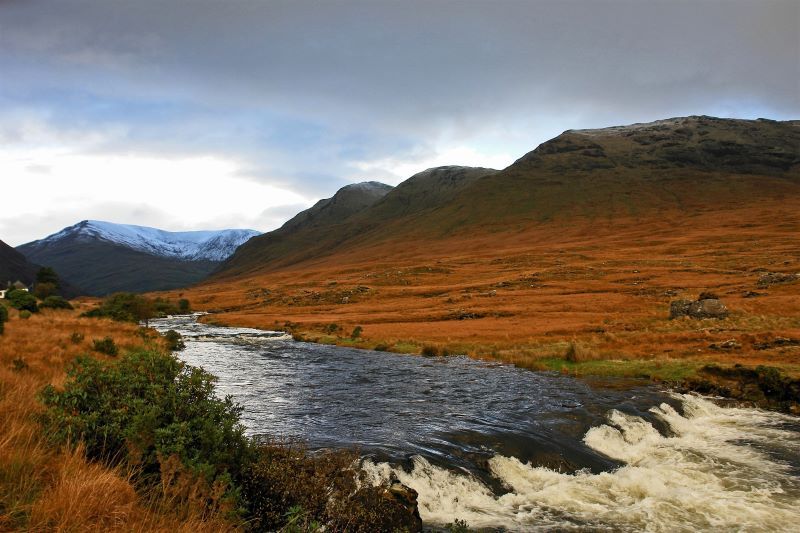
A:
[207,115]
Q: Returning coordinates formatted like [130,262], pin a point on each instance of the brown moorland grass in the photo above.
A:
[522,296]
[43,488]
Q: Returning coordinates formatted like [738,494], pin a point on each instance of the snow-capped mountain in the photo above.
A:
[186,245]
[102,257]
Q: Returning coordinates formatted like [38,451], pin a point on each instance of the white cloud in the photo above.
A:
[171,193]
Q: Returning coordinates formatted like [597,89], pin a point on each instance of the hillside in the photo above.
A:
[675,165]
[310,235]
[323,223]
[14,266]
[102,257]
[568,259]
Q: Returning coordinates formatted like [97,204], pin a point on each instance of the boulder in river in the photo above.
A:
[398,503]
[703,307]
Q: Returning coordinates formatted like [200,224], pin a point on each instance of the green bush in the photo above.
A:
[130,307]
[3,318]
[22,300]
[76,338]
[183,305]
[123,307]
[55,302]
[146,407]
[356,332]
[152,413]
[24,314]
[174,340]
[105,345]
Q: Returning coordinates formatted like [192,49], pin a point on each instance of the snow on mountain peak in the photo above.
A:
[186,245]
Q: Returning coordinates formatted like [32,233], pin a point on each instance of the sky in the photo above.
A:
[219,114]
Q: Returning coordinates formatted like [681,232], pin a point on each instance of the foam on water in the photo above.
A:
[720,469]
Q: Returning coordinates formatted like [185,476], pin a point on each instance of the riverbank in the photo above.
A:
[499,446]
[592,298]
[46,487]
[757,384]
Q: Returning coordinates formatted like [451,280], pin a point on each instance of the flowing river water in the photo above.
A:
[506,448]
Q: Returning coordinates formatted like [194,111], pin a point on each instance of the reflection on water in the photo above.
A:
[500,446]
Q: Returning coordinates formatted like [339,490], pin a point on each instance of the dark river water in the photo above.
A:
[503,447]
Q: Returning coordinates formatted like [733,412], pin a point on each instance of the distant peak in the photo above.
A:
[368,186]
[667,123]
[213,245]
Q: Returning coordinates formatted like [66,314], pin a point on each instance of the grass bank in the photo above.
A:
[105,430]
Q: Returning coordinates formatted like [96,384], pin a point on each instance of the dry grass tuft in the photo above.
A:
[83,496]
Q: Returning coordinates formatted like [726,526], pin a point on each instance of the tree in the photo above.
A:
[48,275]
[45,290]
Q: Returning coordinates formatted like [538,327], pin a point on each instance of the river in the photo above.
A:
[503,447]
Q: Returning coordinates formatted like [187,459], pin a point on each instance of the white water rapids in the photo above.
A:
[711,474]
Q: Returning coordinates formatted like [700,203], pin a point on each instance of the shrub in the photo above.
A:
[123,307]
[330,329]
[19,364]
[183,305]
[55,302]
[3,318]
[356,332]
[578,351]
[105,345]
[25,314]
[430,351]
[22,300]
[44,290]
[76,338]
[129,307]
[174,340]
[382,347]
[142,410]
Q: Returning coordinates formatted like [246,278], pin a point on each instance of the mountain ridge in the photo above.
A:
[213,245]
[103,257]
[674,164]
[293,243]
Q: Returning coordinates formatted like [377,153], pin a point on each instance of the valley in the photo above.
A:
[581,286]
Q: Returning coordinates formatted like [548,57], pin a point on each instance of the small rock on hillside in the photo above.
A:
[706,306]
[776,278]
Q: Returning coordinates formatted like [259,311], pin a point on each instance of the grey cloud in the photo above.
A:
[298,92]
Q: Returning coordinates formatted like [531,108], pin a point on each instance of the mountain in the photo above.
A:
[683,165]
[308,234]
[348,200]
[102,257]
[321,223]
[14,267]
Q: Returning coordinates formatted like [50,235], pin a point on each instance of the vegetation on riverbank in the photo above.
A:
[137,441]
